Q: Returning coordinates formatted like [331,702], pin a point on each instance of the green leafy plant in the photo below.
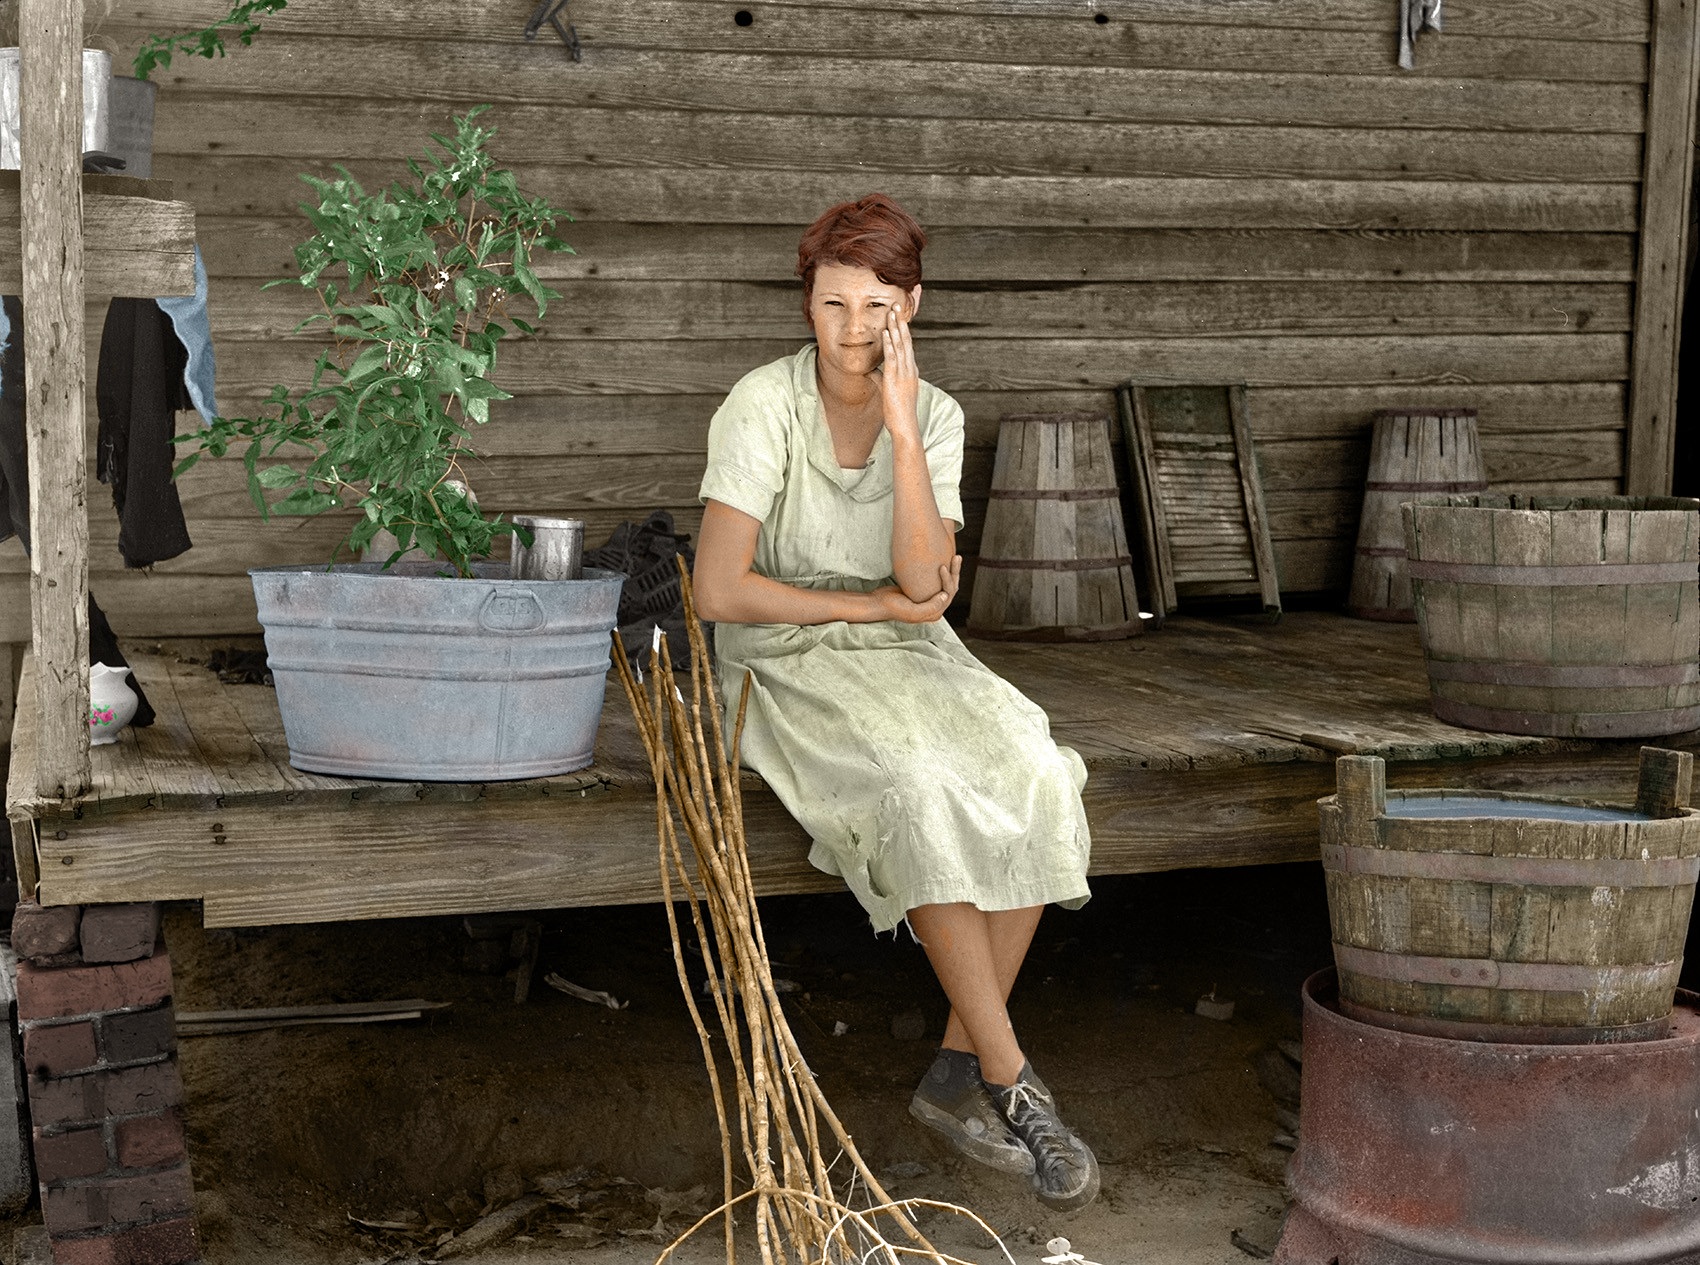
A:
[412,280]
[240,23]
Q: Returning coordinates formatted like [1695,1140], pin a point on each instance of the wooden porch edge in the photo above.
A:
[253,866]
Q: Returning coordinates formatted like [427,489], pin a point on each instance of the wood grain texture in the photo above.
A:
[366,130]
[271,188]
[457,74]
[546,425]
[1054,552]
[1310,38]
[52,274]
[1618,20]
[731,310]
[259,246]
[1671,100]
[22,793]
[705,367]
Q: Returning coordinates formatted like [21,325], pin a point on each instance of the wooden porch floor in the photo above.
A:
[1207,744]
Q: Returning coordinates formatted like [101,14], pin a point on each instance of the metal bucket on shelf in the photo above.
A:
[97,102]
[130,133]
[418,675]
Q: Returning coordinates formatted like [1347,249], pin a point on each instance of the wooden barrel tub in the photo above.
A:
[1569,617]
[1413,453]
[1054,562]
[1499,917]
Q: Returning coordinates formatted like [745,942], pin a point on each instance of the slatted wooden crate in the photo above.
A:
[1204,531]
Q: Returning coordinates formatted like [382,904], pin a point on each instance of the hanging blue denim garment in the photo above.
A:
[189,319]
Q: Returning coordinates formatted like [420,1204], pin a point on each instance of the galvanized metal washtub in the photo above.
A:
[416,675]
[1501,917]
[1417,1150]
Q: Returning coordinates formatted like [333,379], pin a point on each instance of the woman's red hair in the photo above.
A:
[873,233]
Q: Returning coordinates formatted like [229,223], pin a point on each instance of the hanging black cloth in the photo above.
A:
[14,456]
[138,391]
[15,497]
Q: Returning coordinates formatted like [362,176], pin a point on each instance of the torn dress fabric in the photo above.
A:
[922,776]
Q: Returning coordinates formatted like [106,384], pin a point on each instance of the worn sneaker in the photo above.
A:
[953,1100]
[1065,1172]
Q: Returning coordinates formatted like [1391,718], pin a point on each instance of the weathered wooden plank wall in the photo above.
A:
[1187,189]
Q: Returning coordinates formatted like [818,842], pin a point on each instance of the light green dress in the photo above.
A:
[922,776]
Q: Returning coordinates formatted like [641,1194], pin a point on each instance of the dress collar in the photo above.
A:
[876,480]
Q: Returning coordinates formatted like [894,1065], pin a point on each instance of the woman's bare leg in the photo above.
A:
[1011,931]
[977,956]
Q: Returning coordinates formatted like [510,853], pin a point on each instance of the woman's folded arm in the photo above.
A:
[729,590]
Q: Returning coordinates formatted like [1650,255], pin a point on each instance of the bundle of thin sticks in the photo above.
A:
[783,1117]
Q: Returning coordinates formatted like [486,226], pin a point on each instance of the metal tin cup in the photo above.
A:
[97,102]
[556,551]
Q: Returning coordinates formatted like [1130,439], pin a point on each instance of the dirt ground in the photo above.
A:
[427,1125]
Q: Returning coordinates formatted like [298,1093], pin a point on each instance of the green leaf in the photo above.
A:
[305,501]
[372,360]
[275,477]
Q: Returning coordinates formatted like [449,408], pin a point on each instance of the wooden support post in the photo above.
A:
[50,37]
[1667,172]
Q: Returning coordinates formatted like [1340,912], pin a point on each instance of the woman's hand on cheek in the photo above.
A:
[900,382]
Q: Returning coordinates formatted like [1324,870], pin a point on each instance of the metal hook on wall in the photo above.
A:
[550,11]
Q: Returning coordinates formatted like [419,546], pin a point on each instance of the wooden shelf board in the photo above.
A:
[137,241]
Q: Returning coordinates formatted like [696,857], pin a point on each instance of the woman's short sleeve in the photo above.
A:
[747,446]
[942,438]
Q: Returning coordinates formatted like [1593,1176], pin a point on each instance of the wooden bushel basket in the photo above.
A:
[1499,917]
[1054,562]
[1567,617]
[1413,453]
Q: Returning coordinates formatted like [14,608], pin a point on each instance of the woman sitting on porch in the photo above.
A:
[931,785]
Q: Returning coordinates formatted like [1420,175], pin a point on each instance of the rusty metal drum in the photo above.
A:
[1418,1150]
[1501,917]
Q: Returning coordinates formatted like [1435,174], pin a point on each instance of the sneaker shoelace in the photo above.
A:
[1032,1114]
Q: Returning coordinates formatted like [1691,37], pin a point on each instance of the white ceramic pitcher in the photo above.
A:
[112,703]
